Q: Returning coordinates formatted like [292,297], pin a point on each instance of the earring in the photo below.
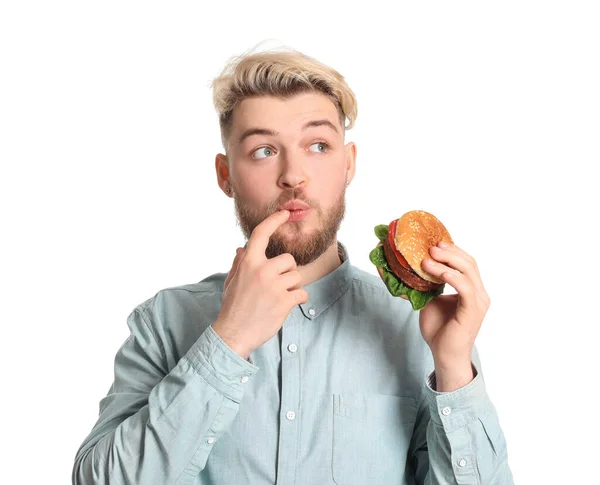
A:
[228,190]
[347,182]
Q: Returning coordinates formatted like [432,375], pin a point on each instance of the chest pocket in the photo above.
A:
[371,437]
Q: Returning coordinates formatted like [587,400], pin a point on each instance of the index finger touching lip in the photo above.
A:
[259,239]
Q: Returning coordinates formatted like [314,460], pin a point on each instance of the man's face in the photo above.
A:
[294,162]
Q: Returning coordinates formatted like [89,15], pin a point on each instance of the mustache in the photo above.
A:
[252,216]
[287,196]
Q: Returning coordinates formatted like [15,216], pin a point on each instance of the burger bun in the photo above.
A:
[416,232]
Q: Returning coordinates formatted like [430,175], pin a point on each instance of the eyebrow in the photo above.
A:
[265,131]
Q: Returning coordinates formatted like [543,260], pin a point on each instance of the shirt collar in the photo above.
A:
[325,291]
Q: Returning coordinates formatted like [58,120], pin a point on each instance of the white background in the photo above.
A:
[485,114]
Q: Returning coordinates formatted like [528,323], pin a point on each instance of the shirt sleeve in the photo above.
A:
[158,427]
[458,438]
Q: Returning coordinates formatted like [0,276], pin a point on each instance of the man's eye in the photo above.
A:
[265,150]
[322,146]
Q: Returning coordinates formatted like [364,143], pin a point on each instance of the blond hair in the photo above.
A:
[282,73]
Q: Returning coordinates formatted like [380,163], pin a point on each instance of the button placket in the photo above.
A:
[291,377]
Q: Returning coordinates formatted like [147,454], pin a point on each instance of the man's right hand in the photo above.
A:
[259,293]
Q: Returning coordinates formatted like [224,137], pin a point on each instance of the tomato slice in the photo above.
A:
[391,235]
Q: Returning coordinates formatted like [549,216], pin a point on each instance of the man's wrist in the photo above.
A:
[231,343]
[450,377]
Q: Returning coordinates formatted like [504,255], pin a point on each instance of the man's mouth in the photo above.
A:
[295,205]
[298,210]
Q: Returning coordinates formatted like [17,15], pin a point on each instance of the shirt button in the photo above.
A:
[244,379]
[312,312]
[291,415]
[292,348]
[210,440]
[462,462]
[446,411]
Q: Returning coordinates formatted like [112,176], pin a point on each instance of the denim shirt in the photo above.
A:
[343,394]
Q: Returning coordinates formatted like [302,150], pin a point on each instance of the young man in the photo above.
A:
[296,367]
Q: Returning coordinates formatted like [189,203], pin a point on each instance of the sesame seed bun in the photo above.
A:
[416,232]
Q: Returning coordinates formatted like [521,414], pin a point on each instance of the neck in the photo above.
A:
[323,265]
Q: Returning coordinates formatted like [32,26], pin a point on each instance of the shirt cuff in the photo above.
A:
[455,409]
[220,365]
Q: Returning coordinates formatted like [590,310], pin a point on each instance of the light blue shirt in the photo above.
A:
[342,394]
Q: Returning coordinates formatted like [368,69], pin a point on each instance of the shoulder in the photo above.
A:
[209,287]
[184,308]
[374,292]
[361,277]
[210,284]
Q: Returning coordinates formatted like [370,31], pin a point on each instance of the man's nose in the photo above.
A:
[293,174]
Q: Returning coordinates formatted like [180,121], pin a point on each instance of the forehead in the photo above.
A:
[283,114]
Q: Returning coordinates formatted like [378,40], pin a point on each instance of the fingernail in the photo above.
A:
[443,244]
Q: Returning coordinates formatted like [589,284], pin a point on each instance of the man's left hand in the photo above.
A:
[450,323]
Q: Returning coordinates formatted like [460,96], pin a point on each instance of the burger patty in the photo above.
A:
[408,276]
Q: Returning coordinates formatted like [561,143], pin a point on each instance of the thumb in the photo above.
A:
[239,253]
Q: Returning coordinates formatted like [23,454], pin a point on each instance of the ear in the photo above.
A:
[350,151]
[223,175]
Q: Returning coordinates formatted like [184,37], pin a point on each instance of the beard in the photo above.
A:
[304,247]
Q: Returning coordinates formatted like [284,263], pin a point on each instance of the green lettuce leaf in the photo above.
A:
[418,299]
[381,231]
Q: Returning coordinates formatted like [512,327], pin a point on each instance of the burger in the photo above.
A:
[403,245]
